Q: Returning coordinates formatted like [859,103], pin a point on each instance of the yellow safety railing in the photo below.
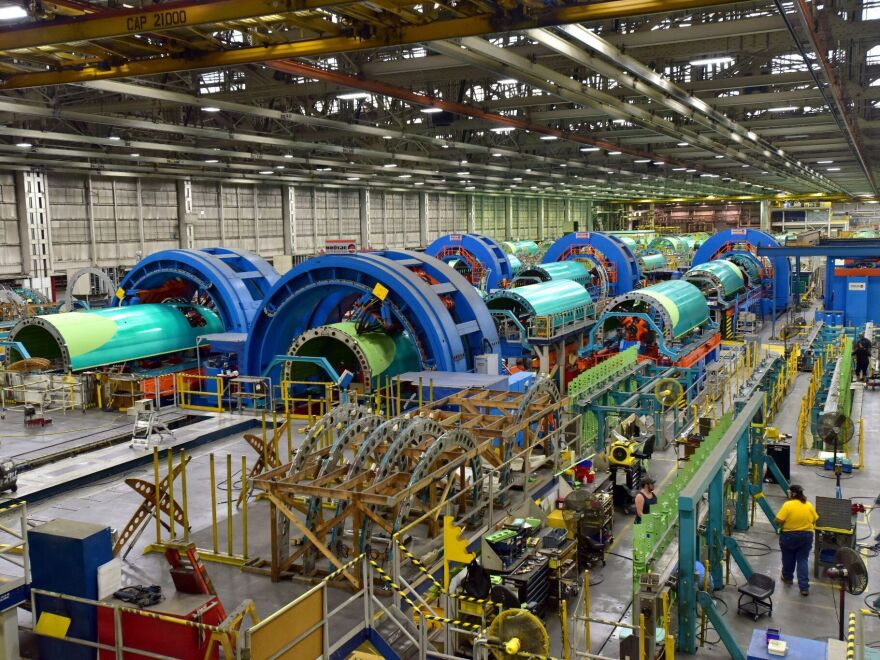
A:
[314,406]
[172,491]
[197,385]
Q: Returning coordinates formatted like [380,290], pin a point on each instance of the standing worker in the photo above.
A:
[796,521]
[645,497]
[862,354]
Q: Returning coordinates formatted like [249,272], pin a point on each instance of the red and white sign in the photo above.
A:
[455,238]
[340,246]
[582,235]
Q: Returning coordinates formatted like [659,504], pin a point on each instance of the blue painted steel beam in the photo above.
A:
[483,249]
[733,241]
[866,248]
[440,310]
[591,244]
[236,281]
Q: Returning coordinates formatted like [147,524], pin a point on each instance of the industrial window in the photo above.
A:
[222,80]
[873,56]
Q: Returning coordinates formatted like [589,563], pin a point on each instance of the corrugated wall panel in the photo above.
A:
[206,209]
[68,215]
[305,221]
[269,210]
[10,242]
[159,200]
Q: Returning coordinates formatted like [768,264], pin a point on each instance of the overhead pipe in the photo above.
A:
[387,89]
[668,93]
[838,94]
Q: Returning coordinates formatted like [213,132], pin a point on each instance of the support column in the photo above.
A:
[541,228]
[185,234]
[34,230]
[364,199]
[256,220]
[90,216]
[140,216]
[508,218]
[288,219]
[423,219]
[384,220]
[471,219]
[765,215]
[115,218]
[588,211]
[314,199]
[715,529]
[569,220]
[221,214]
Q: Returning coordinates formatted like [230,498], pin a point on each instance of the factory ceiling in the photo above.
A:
[616,100]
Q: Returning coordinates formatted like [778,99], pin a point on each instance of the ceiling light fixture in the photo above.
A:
[10,13]
[388,166]
[431,111]
[614,153]
[712,60]
[210,108]
[267,171]
[590,149]
[23,145]
[785,108]
[351,96]
[549,138]
[508,81]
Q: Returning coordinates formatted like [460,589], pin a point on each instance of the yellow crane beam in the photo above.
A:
[96,27]
[108,24]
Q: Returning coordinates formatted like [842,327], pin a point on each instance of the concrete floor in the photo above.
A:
[112,502]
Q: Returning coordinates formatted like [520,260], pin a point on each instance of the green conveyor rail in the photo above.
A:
[649,538]
[844,401]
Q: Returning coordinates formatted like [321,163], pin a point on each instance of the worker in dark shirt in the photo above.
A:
[645,497]
[862,354]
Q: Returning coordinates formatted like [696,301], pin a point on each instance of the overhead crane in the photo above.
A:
[125,23]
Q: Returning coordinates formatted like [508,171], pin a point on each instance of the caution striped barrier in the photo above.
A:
[339,571]
[418,564]
[851,638]
[428,617]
